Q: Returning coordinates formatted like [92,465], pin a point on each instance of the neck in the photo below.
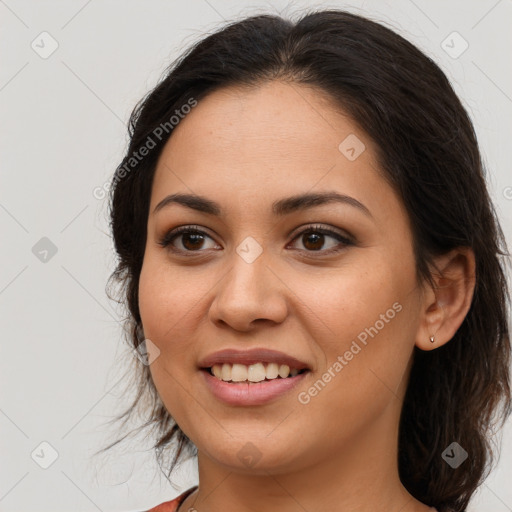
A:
[360,477]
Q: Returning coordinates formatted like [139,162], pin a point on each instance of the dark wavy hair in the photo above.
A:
[427,150]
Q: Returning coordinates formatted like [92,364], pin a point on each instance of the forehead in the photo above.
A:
[273,119]
[258,142]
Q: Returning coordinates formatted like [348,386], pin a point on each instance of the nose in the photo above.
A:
[248,295]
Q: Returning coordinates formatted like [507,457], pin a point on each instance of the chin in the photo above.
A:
[255,456]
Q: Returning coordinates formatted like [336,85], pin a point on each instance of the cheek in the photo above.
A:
[349,300]
[168,302]
[166,313]
[363,325]
[172,310]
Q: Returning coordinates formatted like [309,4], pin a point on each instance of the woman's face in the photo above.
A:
[349,307]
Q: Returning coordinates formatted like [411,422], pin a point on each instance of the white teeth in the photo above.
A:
[256,372]
[226,372]
[272,370]
[253,373]
[238,373]
[284,371]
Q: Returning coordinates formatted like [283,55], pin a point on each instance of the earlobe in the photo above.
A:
[447,303]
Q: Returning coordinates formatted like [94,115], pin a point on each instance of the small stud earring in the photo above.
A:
[432,339]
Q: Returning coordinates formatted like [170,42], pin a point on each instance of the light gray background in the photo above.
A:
[63,133]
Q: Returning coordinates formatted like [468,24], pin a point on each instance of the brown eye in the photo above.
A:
[192,240]
[314,239]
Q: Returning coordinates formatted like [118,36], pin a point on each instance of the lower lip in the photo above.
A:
[256,393]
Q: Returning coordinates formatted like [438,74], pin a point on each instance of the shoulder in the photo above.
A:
[172,506]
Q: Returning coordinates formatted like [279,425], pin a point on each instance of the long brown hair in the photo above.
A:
[427,149]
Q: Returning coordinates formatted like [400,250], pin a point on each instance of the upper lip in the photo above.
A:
[247,357]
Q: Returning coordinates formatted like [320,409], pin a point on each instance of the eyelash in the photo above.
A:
[169,237]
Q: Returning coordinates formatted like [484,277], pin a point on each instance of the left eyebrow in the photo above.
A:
[306,201]
[281,207]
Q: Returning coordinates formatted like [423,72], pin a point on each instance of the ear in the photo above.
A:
[445,305]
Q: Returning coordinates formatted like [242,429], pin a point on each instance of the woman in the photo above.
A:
[311,263]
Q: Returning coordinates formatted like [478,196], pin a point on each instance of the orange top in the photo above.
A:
[172,506]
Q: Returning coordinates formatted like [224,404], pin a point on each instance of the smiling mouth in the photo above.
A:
[252,374]
[248,386]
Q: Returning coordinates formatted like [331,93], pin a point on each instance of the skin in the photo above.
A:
[246,148]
